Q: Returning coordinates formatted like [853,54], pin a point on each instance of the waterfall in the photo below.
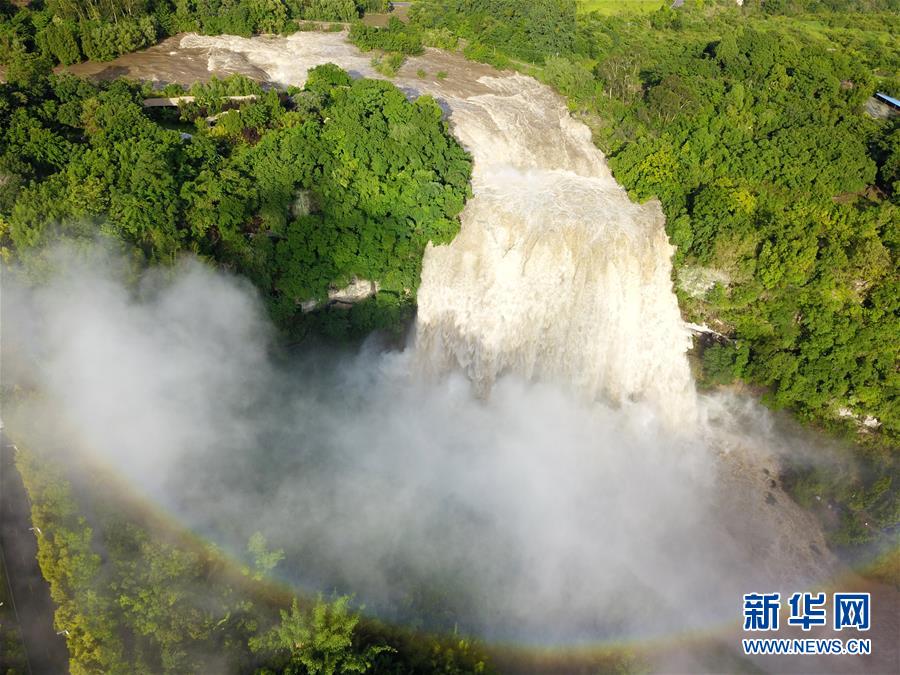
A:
[556,275]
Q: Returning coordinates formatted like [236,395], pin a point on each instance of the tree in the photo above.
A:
[264,560]
[619,76]
[670,98]
[319,641]
[322,79]
[60,38]
[28,70]
[329,10]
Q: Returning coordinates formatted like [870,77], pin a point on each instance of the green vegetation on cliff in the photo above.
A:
[300,192]
[135,596]
[69,31]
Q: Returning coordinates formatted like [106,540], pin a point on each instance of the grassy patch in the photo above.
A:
[611,7]
[389,64]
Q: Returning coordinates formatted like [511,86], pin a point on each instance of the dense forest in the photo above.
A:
[782,194]
[299,191]
[69,31]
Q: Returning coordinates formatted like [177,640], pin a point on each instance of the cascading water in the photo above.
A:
[556,275]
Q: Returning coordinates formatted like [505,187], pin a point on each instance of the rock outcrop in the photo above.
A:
[356,291]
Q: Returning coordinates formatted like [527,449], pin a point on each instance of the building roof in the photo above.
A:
[889,99]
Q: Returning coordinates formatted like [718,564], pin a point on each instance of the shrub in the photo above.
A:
[102,41]
[60,39]
[389,64]
[396,37]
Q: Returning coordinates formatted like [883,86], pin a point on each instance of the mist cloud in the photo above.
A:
[532,515]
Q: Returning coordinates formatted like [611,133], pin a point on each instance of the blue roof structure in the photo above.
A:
[887,99]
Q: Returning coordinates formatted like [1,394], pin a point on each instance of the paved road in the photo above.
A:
[45,649]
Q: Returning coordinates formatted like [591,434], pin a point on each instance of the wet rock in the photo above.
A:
[344,298]
[356,291]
